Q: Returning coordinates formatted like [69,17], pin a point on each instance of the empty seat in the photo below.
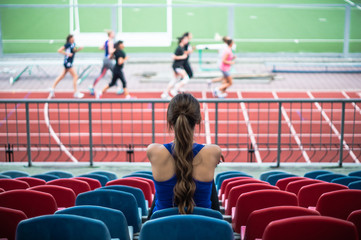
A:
[226,182]
[355,185]
[346,180]
[10,219]
[229,175]
[110,175]
[76,185]
[64,197]
[93,183]
[190,227]
[310,228]
[282,183]
[15,173]
[45,177]
[11,184]
[295,186]
[32,181]
[141,175]
[4,176]
[355,218]
[225,172]
[60,174]
[101,178]
[355,173]
[2,190]
[196,211]
[149,181]
[265,175]
[339,204]
[60,227]
[235,183]
[328,177]
[315,173]
[272,179]
[144,171]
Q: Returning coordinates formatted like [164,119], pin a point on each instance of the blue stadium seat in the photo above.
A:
[113,219]
[137,193]
[272,179]
[189,227]
[101,178]
[123,201]
[355,173]
[60,174]
[110,175]
[142,175]
[328,177]
[265,175]
[60,227]
[5,176]
[196,211]
[225,172]
[15,173]
[345,180]
[45,177]
[146,172]
[314,174]
[229,175]
[355,185]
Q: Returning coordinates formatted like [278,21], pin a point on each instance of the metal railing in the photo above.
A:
[113,130]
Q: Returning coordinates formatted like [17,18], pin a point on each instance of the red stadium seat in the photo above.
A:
[32,203]
[310,228]
[10,219]
[339,204]
[150,182]
[132,182]
[355,218]
[248,202]
[226,182]
[2,190]
[32,181]
[237,191]
[11,184]
[78,186]
[295,186]
[93,183]
[259,219]
[309,194]
[235,183]
[64,197]
[282,183]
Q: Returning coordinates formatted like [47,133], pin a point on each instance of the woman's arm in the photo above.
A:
[184,56]
[225,61]
[62,51]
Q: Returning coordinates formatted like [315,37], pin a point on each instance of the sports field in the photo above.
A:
[293,29]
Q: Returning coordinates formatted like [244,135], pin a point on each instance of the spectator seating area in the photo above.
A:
[279,205]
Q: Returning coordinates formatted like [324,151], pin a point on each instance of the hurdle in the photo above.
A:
[202,47]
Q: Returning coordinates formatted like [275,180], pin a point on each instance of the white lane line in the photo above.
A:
[334,129]
[293,131]
[53,134]
[353,104]
[206,120]
[249,128]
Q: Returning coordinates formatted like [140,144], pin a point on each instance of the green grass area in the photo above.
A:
[256,29]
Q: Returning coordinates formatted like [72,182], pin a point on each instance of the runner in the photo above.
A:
[69,49]
[188,50]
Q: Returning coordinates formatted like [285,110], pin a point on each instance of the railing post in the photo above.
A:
[342,133]
[346,33]
[231,22]
[279,134]
[216,124]
[28,144]
[114,19]
[153,123]
[90,134]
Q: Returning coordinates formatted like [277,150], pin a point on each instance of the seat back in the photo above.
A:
[141,175]
[355,218]
[60,174]
[355,185]
[45,177]
[225,172]
[295,186]
[64,197]
[315,173]
[93,183]
[101,178]
[328,177]
[32,181]
[113,219]
[149,181]
[229,175]
[4,176]
[265,175]
[309,194]
[355,173]
[32,203]
[340,203]
[76,185]
[15,173]
[125,202]
[196,211]
[272,179]
[226,182]
[12,184]
[10,219]
[259,219]
[110,175]
[310,228]
[190,227]
[346,180]
[239,182]
[282,183]
[60,227]
[248,202]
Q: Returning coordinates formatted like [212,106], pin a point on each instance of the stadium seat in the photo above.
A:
[141,175]
[259,219]
[345,180]
[64,197]
[355,173]
[295,186]
[355,185]
[225,172]
[32,203]
[149,181]
[190,227]
[4,176]
[45,177]
[60,174]
[2,190]
[355,218]
[93,183]
[110,175]
[123,201]
[60,227]
[76,185]
[229,175]
[272,179]
[265,175]
[113,219]
[10,219]
[328,177]
[32,181]
[137,193]
[309,194]
[282,183]
[248,202]
[143,185]
[100,177]
[339,204]
[239,190]
[310,228]
[11,184]
[15,173]
[196,211]
[314,174]
[144,171]
[226,182]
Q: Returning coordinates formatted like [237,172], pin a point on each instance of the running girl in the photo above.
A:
[188,50]
[108,63]
[179,57]
[120,58]
[69,50]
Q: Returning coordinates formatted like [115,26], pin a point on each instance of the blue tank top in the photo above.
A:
[106,48]
[164,190]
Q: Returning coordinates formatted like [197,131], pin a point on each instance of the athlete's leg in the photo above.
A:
[188,69]
[59,78]
[228,82]
[75,78]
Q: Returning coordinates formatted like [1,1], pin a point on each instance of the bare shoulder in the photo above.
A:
[212,149]
[154,147]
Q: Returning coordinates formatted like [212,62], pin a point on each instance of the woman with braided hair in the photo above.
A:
[183,170]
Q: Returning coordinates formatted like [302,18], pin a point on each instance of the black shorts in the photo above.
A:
[68,65]
[177,68]
[118,74]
